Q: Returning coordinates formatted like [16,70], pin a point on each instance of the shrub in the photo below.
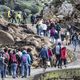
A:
[27,11]
[4,8]
[34,9]
[21,6]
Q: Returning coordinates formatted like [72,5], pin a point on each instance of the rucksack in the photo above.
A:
[24,15]
[7,57]
[13,58]
[74,38]
[24,59]
[58,49]
[52,32]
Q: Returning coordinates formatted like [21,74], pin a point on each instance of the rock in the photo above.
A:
[2,27]
[27,29]
[3,21]
[48,12]
[12,25]
[78,6]
[6,38]
[46,41]
[66,9]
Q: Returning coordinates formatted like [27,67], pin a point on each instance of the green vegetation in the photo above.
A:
[65,73]
[4,8]
[34,9]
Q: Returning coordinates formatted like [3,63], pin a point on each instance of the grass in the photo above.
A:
[67,73]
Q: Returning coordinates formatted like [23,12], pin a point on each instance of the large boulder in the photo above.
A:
[6,38]
[48,12]
[66,9]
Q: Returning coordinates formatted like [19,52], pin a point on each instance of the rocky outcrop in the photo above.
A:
[66,9]
[3,21]
[6,38]
[22,36]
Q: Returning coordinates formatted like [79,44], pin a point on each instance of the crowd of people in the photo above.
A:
[57,33]
[17,17]
[17,62]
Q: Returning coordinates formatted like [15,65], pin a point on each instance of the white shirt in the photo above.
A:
[44,26]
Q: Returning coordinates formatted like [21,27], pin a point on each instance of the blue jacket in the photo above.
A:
[28,58]
[43,53]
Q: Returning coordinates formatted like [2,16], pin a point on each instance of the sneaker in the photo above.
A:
[22,77]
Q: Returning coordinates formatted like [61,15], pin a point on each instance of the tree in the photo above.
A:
[2,2]
[11,3]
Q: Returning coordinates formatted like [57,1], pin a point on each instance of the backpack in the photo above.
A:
[6,55]
[52,32]
[13,58]
[24,59]
[24,15]
[74,38]
[58,49]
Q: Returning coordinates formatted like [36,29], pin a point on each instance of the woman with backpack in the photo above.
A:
[24,63]
[13,64]
[6,60]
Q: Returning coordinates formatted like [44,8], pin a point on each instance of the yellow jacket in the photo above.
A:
[18,16]
[9,15]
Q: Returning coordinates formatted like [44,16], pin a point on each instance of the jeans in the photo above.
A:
[40,31]
[2,72]
[24,69]
[74,44]
[5,70]
[14,69]
[28,70]
[44,32]
[63,61]
[58,62]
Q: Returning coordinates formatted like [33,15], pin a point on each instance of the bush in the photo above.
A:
[4,8]
[21,6]
[27,11]
[34,9]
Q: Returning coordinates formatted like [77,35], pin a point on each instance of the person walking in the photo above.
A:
[44,56]
[24,16]
[33,19]
[79,39]
[18,16]
[25,67]
[74,40]
[30,61]
[63,56]
[13,64]
[6,60]
[2,63]
[50,54]
[58,54]
[13,16]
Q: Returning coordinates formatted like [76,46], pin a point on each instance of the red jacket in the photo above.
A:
[49,53]
[63,53]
